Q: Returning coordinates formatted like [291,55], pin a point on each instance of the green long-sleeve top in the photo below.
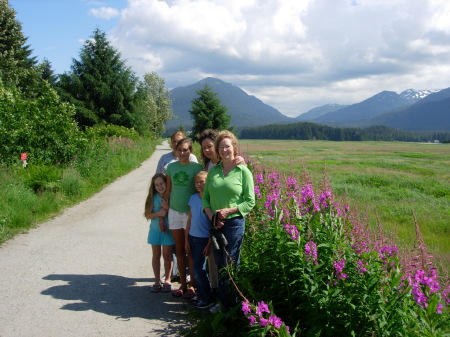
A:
[234,190]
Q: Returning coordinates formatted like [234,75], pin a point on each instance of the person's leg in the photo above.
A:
[156,263]
[201,278]
[167,257]
[178,236]
[192,281]
[234,233]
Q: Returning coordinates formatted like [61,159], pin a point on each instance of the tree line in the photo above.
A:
[311,131]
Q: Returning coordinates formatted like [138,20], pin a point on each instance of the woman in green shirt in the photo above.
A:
[229,192]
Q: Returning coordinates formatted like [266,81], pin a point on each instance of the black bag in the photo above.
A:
[218,240]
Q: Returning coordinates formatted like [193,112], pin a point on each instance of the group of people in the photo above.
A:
[186,203]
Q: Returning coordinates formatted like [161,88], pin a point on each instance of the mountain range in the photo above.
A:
[415,110]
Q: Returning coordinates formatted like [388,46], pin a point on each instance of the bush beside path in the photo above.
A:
[87,272]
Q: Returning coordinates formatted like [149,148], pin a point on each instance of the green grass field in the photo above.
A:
[384,180]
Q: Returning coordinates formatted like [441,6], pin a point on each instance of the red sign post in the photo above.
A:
[23,158]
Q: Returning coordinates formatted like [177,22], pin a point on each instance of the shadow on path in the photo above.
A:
[117,296]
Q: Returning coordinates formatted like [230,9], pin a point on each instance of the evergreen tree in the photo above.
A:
[208,112]
[45,70]
[16,63]
[100,85]
[154,107]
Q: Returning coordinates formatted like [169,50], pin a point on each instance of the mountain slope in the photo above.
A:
[245,110]
[375,105]
[430,113]
[319,111]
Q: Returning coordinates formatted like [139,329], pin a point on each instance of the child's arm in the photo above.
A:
[168,188]
[151,215]
[187,246]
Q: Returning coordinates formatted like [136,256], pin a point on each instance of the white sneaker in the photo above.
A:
[215,309]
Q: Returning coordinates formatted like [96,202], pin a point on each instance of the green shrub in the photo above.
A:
[44,127]
[42,177]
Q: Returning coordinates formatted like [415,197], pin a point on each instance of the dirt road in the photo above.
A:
[88,271]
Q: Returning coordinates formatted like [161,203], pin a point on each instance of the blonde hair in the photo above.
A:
[221,136]
[177,133]
[151,193]
[200,174]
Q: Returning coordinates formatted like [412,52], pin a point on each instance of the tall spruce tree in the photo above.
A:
[100,85]
[16,62]
[208,112]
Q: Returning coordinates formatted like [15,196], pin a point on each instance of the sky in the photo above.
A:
[294,55]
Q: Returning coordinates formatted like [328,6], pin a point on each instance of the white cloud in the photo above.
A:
[104,12]
[292,54]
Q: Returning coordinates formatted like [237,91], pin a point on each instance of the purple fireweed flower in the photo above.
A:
[361,267]
[387,252]
[246,308]
[446,295]
[439,308]
[338,267]
[259,179]
[257,192]
[275,321]
[292,231]
[262,307]
[325,199]
[424,282]
[263,322]
[252,320]
[311,252]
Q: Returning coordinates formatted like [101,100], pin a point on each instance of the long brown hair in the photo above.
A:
[207,134]
[151,193]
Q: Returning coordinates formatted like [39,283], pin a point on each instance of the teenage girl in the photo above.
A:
[180,187]
[158,235]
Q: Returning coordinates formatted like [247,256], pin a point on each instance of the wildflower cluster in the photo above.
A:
[338,268]
[311,252]
[261,315]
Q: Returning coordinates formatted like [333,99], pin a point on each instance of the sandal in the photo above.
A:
[178,292]
[166,287]
[155,288]
[190,293]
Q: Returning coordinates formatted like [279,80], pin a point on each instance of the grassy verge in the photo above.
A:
[384,181]
[35,194]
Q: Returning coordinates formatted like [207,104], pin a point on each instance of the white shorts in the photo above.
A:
[177,220]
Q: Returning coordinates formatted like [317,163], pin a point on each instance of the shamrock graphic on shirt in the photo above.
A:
[181,178]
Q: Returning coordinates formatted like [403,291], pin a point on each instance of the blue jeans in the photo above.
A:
[233,230]
[201,277]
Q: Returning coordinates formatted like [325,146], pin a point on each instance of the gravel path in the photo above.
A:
[87,272]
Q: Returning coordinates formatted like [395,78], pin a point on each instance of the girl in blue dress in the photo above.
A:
[159,235]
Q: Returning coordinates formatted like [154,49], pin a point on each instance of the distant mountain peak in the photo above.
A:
[413,96]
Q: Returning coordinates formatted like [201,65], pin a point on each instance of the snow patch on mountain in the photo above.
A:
[413,96]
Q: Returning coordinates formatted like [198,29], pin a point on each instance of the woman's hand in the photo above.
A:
[238,160]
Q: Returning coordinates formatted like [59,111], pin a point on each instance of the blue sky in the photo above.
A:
[292,54]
